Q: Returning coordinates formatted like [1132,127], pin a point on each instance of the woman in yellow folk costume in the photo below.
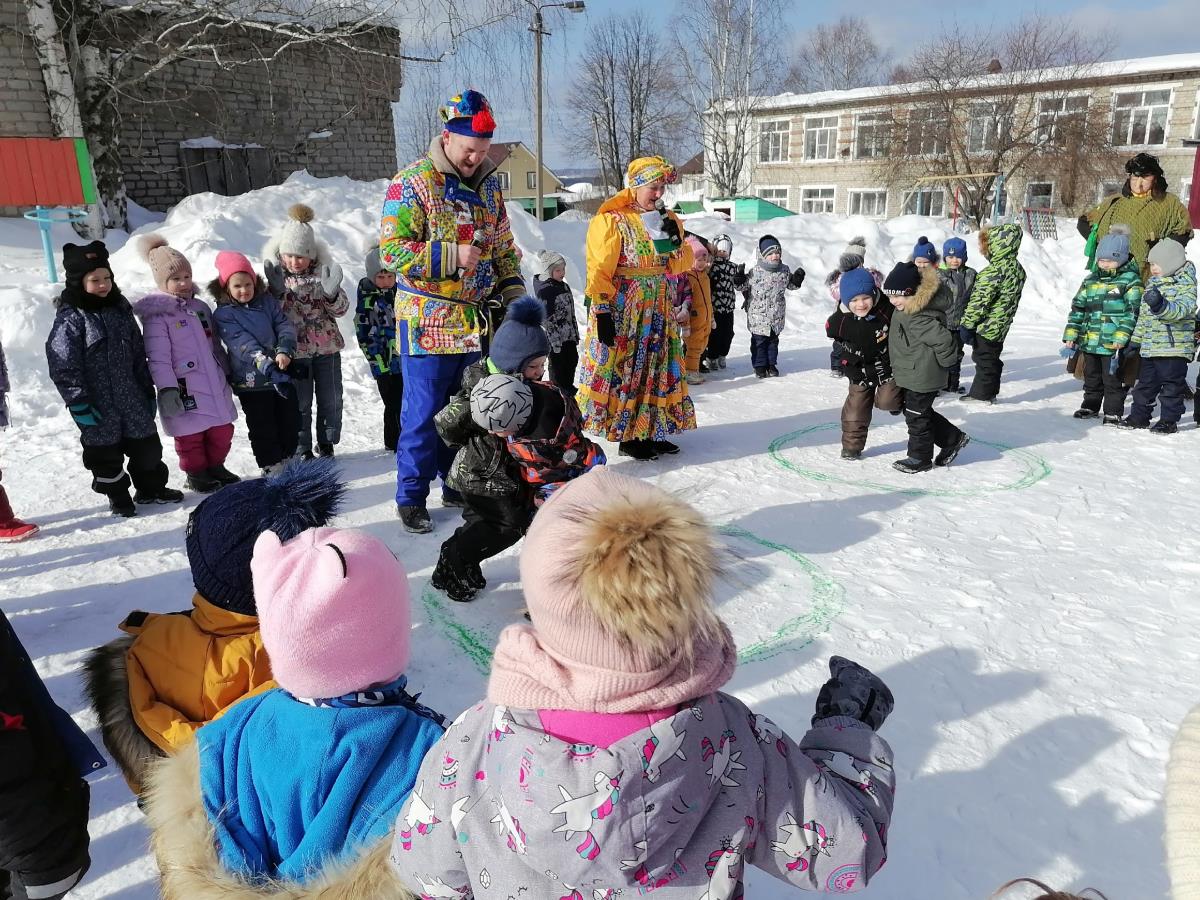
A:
[633,388]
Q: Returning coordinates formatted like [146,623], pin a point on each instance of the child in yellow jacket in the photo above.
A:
[177,671]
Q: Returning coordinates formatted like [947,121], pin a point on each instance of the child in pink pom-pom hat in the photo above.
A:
[299,786]
[606,758]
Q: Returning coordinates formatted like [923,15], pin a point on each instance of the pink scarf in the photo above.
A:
[527,675]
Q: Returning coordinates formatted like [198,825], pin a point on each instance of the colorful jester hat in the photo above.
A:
[469,114]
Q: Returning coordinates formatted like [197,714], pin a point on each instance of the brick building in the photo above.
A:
[825,152]
[197,127]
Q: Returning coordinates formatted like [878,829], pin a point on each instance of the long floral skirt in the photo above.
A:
[636,390]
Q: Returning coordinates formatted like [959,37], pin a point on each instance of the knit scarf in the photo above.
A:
[528,675]
[768,266]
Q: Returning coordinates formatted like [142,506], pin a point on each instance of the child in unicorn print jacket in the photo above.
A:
[606,760]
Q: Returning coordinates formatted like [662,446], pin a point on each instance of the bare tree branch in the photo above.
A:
[838,57]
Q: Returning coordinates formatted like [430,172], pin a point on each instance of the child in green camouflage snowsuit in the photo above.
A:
[991,308]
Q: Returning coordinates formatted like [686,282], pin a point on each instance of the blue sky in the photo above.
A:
[1167,26]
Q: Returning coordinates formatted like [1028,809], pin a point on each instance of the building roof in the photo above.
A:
[1149,65]
[694,166]
[502,150]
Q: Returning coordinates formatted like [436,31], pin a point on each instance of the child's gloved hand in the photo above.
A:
[966,335]
[84,414]
[1154,299]
[170,403]
[274,275]
[797,278]
[854,691]
[740,278]
[606,330]
[331,280]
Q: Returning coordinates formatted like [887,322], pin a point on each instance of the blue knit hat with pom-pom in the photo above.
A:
[222,530]
[520,336]
[925,249]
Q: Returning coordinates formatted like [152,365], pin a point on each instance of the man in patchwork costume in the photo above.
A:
[446,235]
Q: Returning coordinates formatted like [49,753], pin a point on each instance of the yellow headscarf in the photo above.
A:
[647,170]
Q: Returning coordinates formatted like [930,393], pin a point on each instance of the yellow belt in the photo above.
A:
[639,271]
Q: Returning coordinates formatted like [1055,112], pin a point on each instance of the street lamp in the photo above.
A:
[576,6]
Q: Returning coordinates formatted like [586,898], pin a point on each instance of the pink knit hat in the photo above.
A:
[333,606]
[618,579]
[164,260]
[230,263]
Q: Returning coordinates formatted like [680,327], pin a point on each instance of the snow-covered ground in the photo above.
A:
[1029,606]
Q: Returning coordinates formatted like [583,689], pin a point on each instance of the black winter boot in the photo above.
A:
[162,495]
[448,578]
[223,475]
[122,505]
[202,483]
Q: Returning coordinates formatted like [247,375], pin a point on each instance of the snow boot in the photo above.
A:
[772,372]
[324,449]
[1131,422]
[1111,420]
[122,505]
[223,475]
[721,362]
[415,519]
[911,466]
[665,448]
[967,398]
[639,450]
[704,370]
[760,371]
[1085,413]
[162,495]
[1161,427]
[202,483]
[851,454]
[472,574]
[12,529]
[947,454]
[448,579]
[695,378]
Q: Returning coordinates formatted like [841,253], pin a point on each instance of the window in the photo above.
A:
[926,132]
[868,203]
[505,181]
[1140,118]
[773,141]
[1185,191]
[872,135]
[820,137]
[1108,188]
[531,180]
[1039,195]
[990,205]
[1059,118]
[816,200]
[987,126]
[925,202]
[778,195]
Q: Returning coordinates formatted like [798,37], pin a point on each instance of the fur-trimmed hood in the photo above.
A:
[1000,241]
[183,843]
[106,681]
[932,293]
[271,252]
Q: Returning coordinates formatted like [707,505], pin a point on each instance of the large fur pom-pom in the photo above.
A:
[300,212]
[149,242]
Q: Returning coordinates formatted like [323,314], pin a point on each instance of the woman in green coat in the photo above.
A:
[1145,206]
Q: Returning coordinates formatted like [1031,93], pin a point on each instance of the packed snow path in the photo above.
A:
[1028,606]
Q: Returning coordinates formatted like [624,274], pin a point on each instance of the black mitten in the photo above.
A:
[797,278]
[854,691]
[606,330]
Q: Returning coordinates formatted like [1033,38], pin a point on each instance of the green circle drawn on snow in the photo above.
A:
[828,601]
[1036,468]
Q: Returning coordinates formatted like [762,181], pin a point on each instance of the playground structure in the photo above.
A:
[54,176]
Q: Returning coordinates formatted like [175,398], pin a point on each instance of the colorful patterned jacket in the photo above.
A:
[428,211]
[555,449]
[1104,311]
[1168,315]
[682,808]
[997,290]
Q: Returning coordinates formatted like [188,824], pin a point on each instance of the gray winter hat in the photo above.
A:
[548,259]
[1168,255]
[371,263]
[296,238]
[501,403]
[1115,245]
[853,255]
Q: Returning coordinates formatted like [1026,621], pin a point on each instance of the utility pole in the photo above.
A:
[538,31]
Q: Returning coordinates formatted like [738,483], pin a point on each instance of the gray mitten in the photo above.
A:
[170,403]
[853,691]
[274,273]
[331,280]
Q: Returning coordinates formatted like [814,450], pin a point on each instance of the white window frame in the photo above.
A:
[994,125]
[1196,117]
[531,180]
[1053,193]
[1064,99]
[833,145]
[785,136]
[1185,190]
[929,190]
[921,154]
[787,194]
[1143,88]
[505,181]
[887,122]
[878,190]
[832,200]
